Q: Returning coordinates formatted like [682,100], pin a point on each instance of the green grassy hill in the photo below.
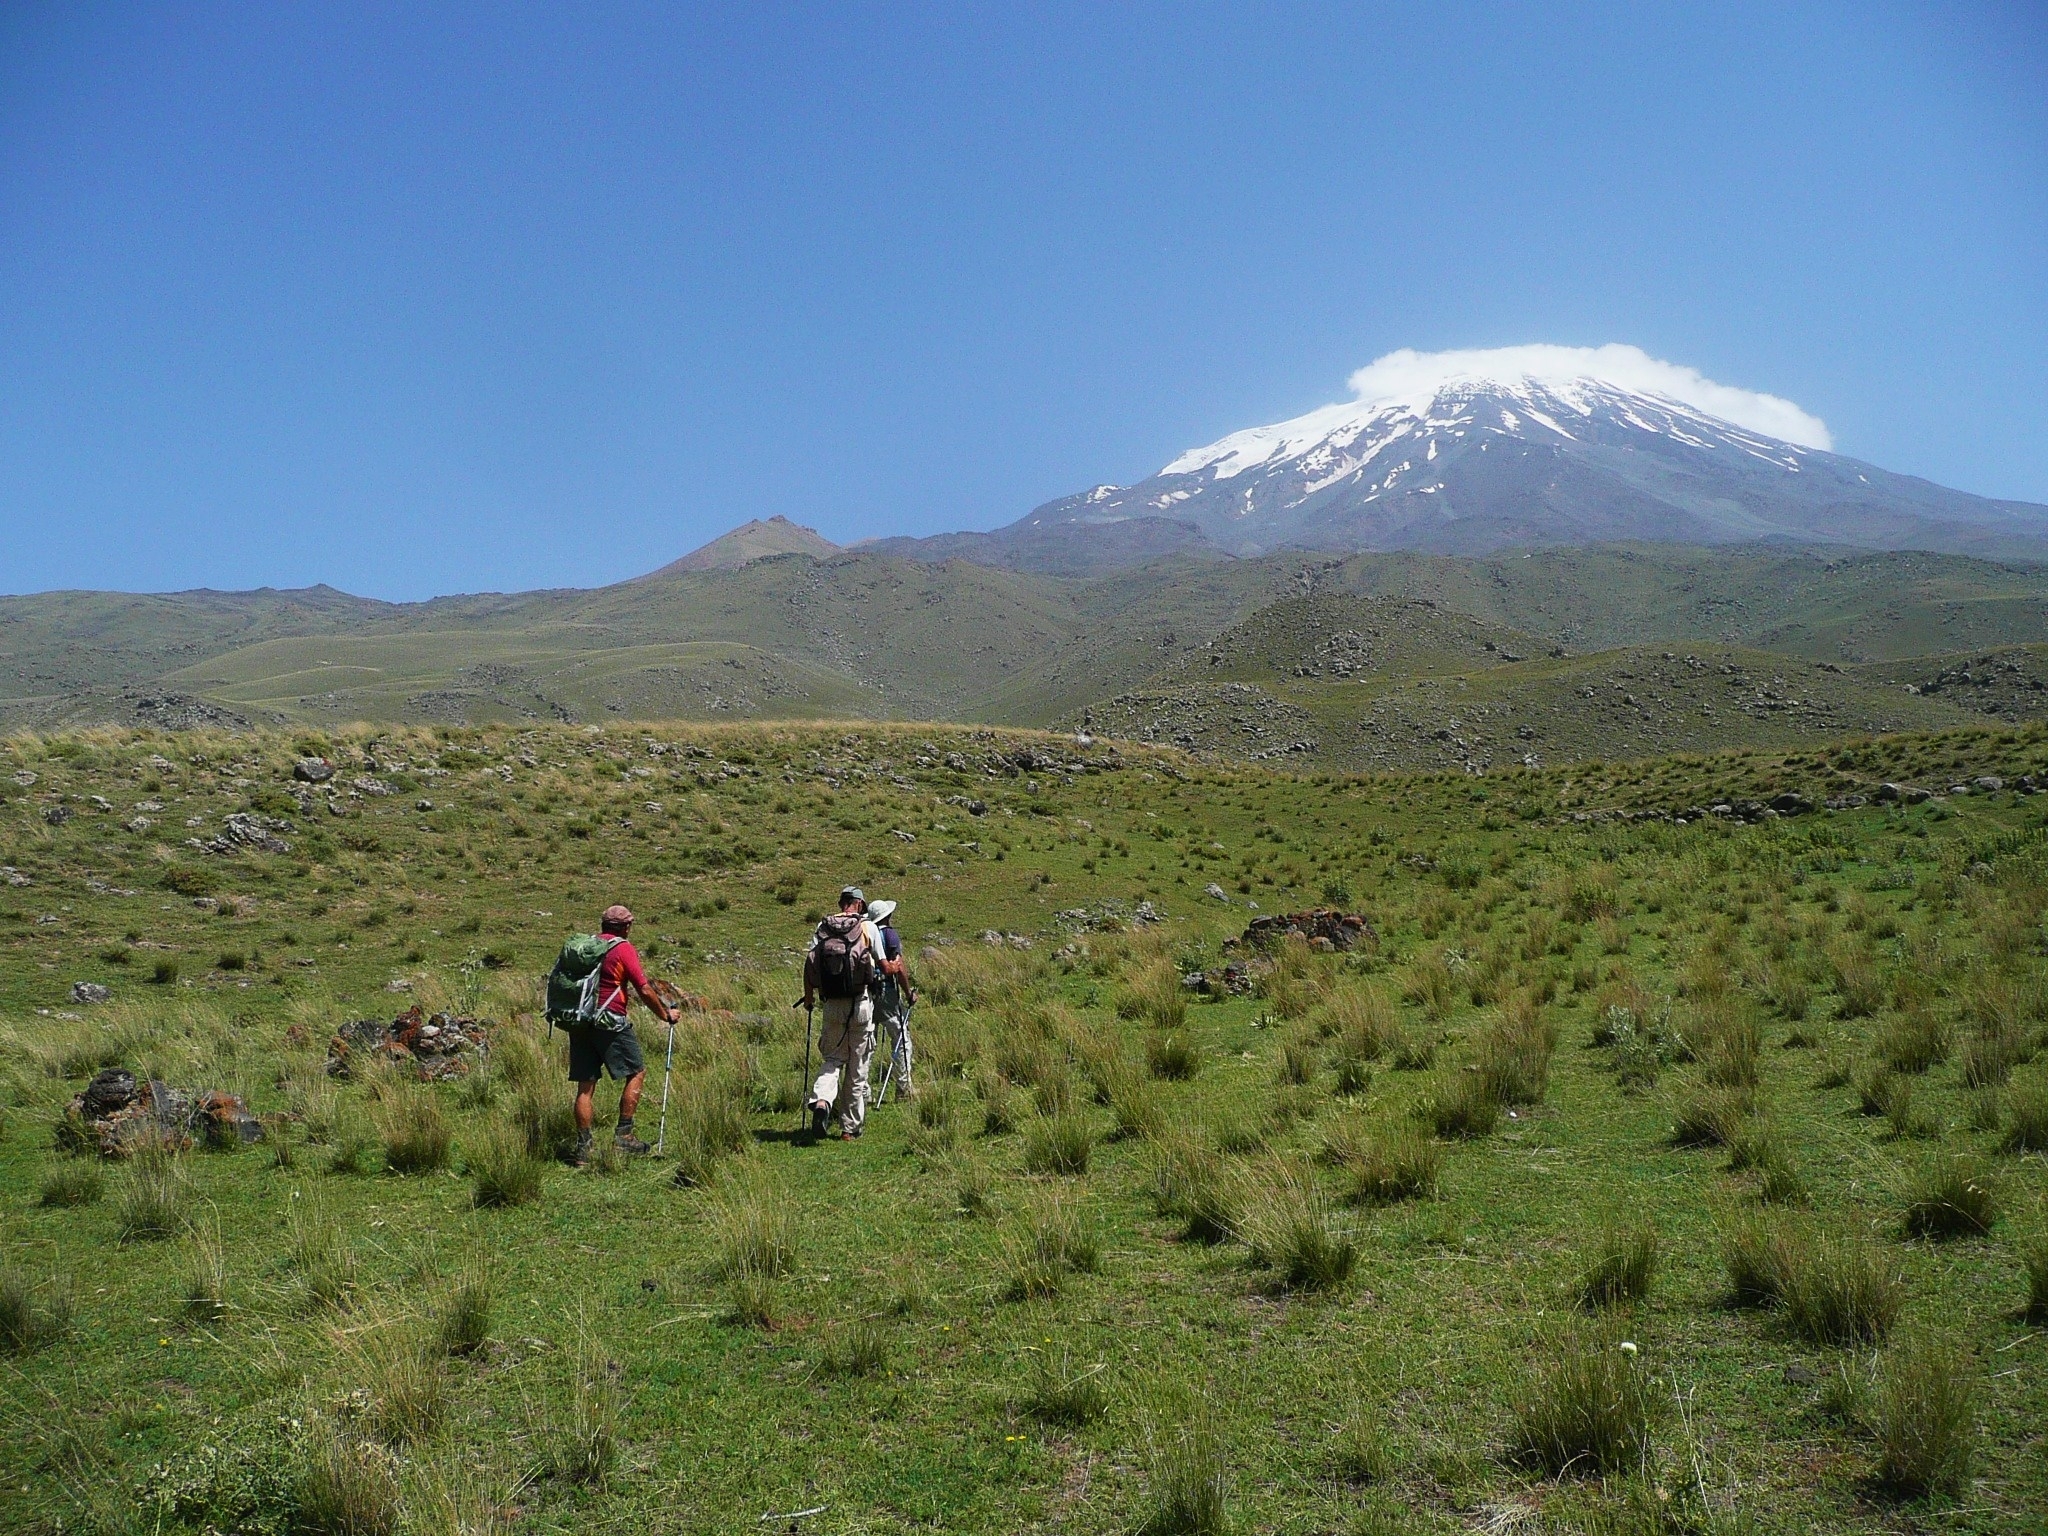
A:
[1428,713]
[862,634]
[1342,1242]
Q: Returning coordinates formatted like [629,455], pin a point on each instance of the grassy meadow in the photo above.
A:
[1642,1176]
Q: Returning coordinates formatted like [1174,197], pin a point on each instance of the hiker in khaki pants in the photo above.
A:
[846,1041]
[840,967]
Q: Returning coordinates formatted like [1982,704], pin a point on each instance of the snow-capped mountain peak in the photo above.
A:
[1510,391]
[1472,450]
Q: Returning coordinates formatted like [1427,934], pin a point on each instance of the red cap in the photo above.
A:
[617,916]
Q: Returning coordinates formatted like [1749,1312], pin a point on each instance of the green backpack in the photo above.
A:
[572,984]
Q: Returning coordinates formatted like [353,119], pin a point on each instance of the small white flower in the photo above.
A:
[1628,1348]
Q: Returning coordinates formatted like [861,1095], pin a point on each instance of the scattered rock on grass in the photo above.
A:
[115,1115]
[432,1046]
[1322,927]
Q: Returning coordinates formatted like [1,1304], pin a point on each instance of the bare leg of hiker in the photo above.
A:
[586,1117]
[629,1102]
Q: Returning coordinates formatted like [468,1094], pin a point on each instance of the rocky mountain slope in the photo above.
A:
[751,541]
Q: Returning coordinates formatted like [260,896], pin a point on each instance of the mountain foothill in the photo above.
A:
[1478,571]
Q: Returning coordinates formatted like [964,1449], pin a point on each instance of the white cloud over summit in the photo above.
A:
[1415,377]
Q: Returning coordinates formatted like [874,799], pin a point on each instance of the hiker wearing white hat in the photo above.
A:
[893,997]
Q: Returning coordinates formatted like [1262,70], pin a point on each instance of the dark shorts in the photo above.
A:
[616,1051]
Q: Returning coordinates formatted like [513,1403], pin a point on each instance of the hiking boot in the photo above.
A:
[631,1145]
[821,1116]
[580,1158]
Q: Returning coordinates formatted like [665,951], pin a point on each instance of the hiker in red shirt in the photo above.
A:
[612,1046]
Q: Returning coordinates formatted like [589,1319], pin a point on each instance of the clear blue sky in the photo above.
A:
[420,299]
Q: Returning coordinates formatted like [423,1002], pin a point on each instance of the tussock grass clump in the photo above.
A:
[1988,1060]
[1779,1181]
[1842,1291]
[1052,1243]
[1709,1117]
[1759,1254]
[1903,1118]
[1056,1391]
[1062,1144]
[154,1192]
[502,1169]
[973,1185]
[708,1121]
[415,1133]
[1000,1110]
[1362,1021]
[1299,981]
[1298,1056]
[859,1347]
[1173,1056]
[581,1444]
[1191,1182]
[348,1484]
[1859,984]
[936,1123]
[1913,1041]
[1433,985]
[1875,1087]
[1730,1051]
[976,977]
[398,1363]
[753,1228]
[462,1322]
[1152,991]
[1361,1453]
[1414,1053]
[1514,1053]
[1462,1105]
[1586,1409]
[1136,1104]
[2034,1258]
[1392,1165]
[1239,1134]
[69,1184]
[545,1119]
[206,1276]
[31,1316]
[1924,1418]
[1054,1093]
[1952,1197]
[1290,1227]
[324,1260]
[1187,1472]
[2026,1115]
[1351,1075]
[1619,1266]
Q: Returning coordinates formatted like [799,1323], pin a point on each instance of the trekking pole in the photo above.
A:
[668,1064]
[802,1109]
[675,999]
